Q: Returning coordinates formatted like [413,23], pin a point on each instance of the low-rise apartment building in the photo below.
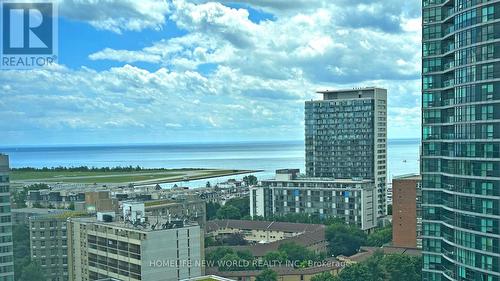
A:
[258,231]
[352,200]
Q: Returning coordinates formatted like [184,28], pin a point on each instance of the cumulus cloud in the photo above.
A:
[227,73]
[314,44]
[135,99]
[117,15]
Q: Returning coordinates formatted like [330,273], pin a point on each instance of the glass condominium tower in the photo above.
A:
[461,140]
[6,254]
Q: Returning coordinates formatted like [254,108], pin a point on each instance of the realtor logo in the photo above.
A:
[29,33]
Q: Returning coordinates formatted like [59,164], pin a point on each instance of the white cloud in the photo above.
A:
[125,56]
[117,15]
[229,74]
[313,44]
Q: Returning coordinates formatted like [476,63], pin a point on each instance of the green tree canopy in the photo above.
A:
[355,272]
[243,205]
[250,180]
[267,275]
[275,257]
[402,267]
[344,239]
[228,212]
[32,272]
[380,237]
[218,253]
[212,208]
[380,267]
[325,276]
[297,253]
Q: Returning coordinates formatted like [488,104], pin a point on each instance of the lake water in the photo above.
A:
[267,156]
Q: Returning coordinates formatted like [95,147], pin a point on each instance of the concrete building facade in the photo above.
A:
[48,244]
[6,246]
[353,200]
[346,138]
[146,250]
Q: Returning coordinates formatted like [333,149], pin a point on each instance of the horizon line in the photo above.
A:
[163,143]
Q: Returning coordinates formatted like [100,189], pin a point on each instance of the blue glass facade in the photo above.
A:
[461,140]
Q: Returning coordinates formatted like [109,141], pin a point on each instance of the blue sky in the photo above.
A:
[154,71]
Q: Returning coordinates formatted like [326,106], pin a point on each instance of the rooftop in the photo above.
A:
[367,252]
[328,180]
[408,177]
[37,211]
[61,215]
[152,223]
[306,239]
[350,90]
[262,225]
[208,278]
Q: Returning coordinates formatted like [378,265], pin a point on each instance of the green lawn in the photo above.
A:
[119,176]
[116,179]
[33,175]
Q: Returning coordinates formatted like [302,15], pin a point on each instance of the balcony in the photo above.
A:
[450,29]
[449,48]
[448,65]
[449,83]
[448,12]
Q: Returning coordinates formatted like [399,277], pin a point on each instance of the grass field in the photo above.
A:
[33,175]
[89,177]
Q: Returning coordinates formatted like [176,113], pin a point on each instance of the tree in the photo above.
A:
[218,254]
[267,275]
[389,210]
[380,267]
[402,267]
[212,208]
[325,276]
[375,267]
[32,272]
[21,241]
[250,180]
[344,239]
[243,205]
[355,272]
[210,241]
[71,206]
[228,212]
[275,257]
[245,255]
[229,262]
[380,237]
[297,253]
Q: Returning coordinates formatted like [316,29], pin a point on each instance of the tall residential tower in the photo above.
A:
[461,140]
[346,135]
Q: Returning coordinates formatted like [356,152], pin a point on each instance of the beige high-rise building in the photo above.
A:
[48,243]
[133,249]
